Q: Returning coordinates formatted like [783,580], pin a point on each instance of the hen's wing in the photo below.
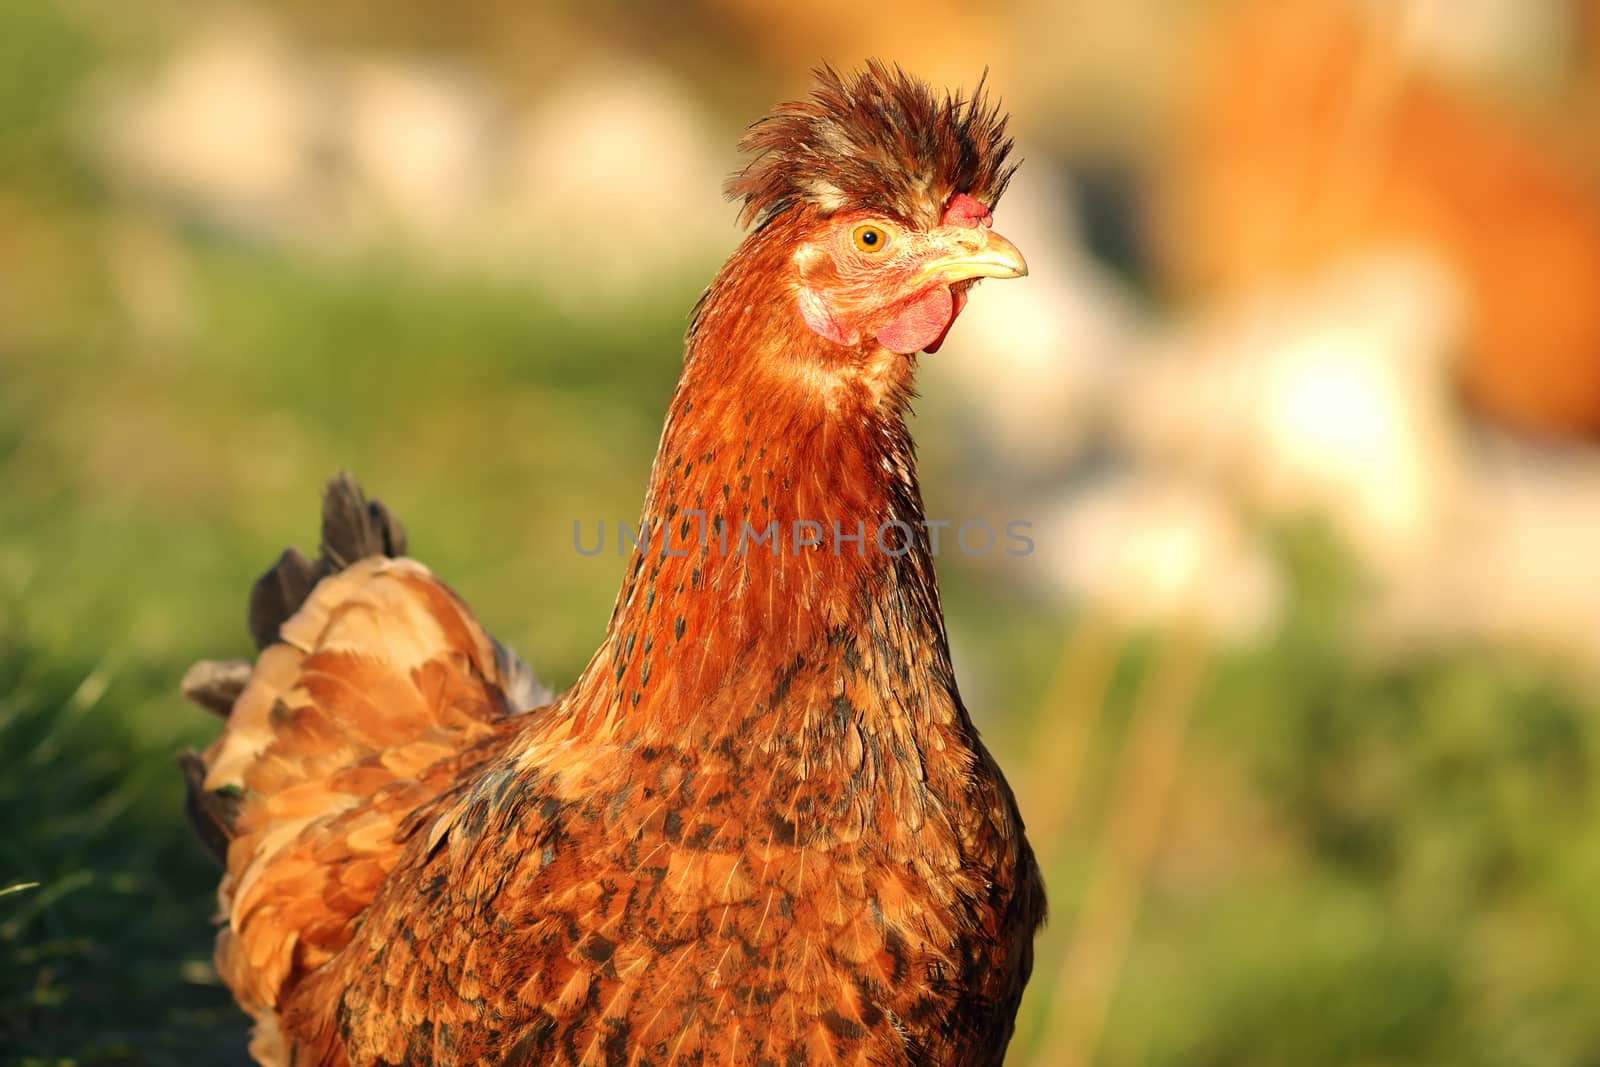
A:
[375,691]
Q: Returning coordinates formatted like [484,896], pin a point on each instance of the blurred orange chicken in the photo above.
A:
[1314,134]
[760,828]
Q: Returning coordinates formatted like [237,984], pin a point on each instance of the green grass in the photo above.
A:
[103,942]
[1411,879]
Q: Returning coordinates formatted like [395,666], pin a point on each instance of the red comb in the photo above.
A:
[963,210]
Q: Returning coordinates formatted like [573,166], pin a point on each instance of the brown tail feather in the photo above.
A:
[375,686]
[353,528]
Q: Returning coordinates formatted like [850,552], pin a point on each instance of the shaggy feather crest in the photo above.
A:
[879,140]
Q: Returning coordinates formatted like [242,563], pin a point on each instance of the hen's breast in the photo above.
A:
[656,905]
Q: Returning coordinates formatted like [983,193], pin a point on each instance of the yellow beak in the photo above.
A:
[973,252]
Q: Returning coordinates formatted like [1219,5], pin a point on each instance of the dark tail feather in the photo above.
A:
[212,813]
[353,529]
[214,684]
[278,593]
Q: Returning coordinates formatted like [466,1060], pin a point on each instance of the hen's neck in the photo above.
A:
[728,620]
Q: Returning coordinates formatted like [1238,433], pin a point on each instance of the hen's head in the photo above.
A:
[885,192]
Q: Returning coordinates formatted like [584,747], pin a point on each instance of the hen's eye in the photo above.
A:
[871,238]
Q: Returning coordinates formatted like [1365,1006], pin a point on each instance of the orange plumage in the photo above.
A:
[760,827]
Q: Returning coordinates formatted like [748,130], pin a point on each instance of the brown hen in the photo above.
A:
[760,828]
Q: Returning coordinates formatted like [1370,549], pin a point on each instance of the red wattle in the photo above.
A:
[921,323]
[960,298]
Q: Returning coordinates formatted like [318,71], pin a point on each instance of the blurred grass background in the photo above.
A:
[1336,832]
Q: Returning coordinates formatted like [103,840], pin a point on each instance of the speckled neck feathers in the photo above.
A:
[766,448]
